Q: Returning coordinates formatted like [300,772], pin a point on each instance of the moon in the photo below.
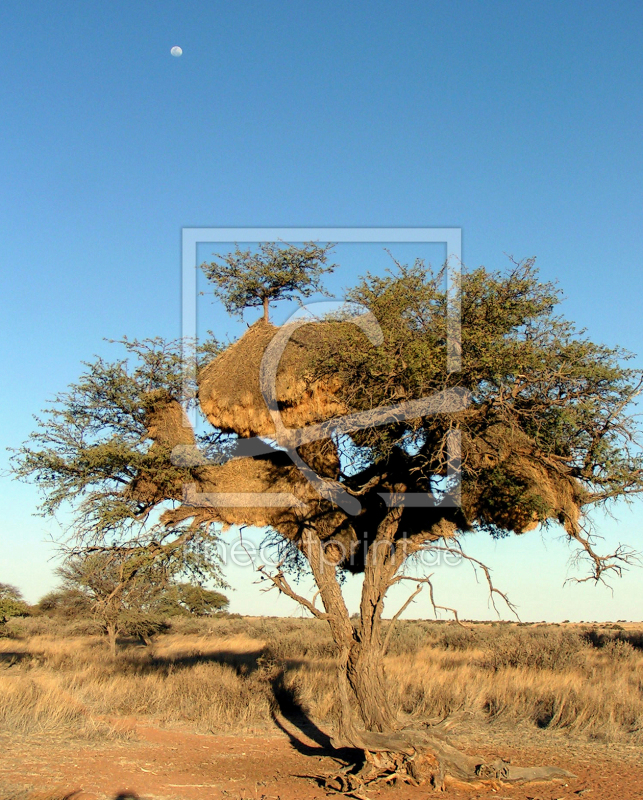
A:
[176,51]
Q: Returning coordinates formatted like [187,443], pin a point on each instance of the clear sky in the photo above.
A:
[519,122]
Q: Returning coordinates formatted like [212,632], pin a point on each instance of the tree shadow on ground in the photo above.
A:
[291,710]
[11,657]
[287,704]
[288,708]
[243,663]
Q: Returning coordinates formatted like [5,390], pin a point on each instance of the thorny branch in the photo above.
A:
[487,573]
[615,562]
[279,581]
[396,616]
[420,582]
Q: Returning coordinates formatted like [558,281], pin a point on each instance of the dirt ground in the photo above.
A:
[282,764]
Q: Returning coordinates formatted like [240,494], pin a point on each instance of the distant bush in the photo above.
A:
[68,603]
[601,639]
[12,605]
[553,649]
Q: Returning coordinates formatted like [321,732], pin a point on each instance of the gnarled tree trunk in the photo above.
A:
[411,756]
[361,664]
[365,672]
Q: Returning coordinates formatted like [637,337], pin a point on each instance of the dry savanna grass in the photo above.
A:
[233,674]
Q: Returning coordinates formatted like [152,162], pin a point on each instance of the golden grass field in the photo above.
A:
[230,675]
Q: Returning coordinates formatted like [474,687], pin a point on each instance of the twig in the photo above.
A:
[428,582]
[395,617]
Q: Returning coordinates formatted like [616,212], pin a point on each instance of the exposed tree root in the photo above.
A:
[417,758]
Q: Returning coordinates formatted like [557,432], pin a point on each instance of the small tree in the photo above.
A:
[12,603]
[121,590]
[246,279]
[130,593]
[199,601]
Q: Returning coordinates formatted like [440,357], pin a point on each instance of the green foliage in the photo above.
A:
[549,428]
[92,443]
[12,603]
[502,493]
[200,601]
[532,376]
[245,279]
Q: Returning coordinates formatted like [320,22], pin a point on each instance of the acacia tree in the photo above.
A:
[12,603]
[133,592]
[68,603]
[121,591]
[535,428]
[124,599]
[245,279]
[187,598]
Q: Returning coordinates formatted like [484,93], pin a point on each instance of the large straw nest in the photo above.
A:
[167,426]
[507,482]
[174,469]
[166,422]
[226,493]
[526,488]
[229,387]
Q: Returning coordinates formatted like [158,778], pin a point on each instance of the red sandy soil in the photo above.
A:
[172,764]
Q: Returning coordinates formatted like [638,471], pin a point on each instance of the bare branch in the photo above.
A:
[615,562]
[365,488]
[428,582]
[395,617]
[487,573]
[280,582]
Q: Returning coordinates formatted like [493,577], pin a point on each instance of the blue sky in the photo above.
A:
[518,122]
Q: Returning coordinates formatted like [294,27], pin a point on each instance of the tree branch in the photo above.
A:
[487,573]
[279,581]
[395,617]
[615,562]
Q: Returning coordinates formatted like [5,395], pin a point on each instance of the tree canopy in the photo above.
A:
[550,411]
[246,279]
[129,592]
[90,449]
[12,603]
[94,443]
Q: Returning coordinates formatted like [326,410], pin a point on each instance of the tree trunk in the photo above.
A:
[266,309]
[341,628]
[390,754]
[366,676]
[111,635]
[361,664]
[410,756]
[366,660]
